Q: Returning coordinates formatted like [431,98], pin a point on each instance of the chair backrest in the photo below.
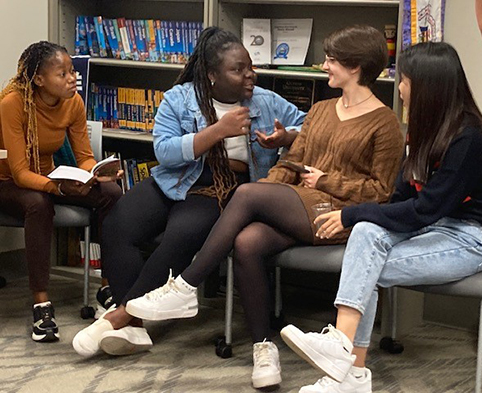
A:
[94,128]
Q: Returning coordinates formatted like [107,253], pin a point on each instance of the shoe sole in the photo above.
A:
[265,381]
[153,315]
[293,337]
[118,346]
[44,338]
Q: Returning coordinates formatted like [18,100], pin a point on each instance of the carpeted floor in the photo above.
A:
[435,359]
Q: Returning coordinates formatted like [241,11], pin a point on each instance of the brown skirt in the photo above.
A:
[310,197]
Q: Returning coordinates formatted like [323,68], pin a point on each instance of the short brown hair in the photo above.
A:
[359,45]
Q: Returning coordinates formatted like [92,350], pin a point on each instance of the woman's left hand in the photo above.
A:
[310,179]
[279,138]
[331,224]
[106,179]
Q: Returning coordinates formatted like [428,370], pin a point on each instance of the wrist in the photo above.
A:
[59,189]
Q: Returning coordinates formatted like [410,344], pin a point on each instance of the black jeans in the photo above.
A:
[142,214]
[37,209]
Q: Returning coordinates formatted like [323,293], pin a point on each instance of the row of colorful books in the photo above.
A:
[136,39]
[135,170]
[122,107]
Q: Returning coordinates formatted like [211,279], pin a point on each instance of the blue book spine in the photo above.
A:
[178,42]
[141,24]
[91,36]
[81,46]
[184,37]
[165,42]
[141,47]
[190,38]
[112,38]
[99,29]
[118,36]
[158,32]
[132,39]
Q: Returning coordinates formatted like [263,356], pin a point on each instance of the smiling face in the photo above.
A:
[56,78]
[405,87]
[234,79]
[338,75]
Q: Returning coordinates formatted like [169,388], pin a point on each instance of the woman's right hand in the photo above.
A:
[74,188]
[236,122]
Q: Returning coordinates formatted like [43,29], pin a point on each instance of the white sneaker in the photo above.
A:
[125,341]
[267,369]
[351,384]
[328,351]
[86,342]
[175,299]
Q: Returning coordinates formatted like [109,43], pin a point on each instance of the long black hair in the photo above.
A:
[31,62]
[206,58]
[441,104]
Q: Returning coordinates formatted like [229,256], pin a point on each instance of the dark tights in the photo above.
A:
[261,220]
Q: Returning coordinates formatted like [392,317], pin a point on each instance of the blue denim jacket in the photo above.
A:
[179,118]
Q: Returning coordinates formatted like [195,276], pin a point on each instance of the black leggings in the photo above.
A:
[261,220]
[142,214]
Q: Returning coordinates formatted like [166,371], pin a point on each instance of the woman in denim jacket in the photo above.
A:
[213,131]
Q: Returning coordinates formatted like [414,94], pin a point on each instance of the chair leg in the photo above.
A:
[86,265]
[391,344]
[278,306]
[223,344]
[478,374]
[86,312]
[229,301]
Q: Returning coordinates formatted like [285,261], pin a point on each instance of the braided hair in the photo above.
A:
[207,56]
[31,61]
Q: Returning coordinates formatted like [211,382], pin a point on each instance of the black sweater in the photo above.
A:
[458,179]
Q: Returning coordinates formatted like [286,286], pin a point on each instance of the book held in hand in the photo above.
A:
[107,167]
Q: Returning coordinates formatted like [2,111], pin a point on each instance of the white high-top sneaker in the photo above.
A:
[267,369]
[328,351]
[351,384]
[175,299]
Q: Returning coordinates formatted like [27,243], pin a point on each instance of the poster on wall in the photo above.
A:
[423,21]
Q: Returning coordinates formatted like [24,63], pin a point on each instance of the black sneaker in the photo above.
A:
[44,326]
[104,298]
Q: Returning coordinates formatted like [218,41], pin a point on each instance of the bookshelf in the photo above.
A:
[327,15]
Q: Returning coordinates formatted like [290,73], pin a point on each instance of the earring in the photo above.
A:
[212,83]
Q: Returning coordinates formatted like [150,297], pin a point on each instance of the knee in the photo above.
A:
[39,204]
[245,245]
[367,229]
[243,192]
[117,224]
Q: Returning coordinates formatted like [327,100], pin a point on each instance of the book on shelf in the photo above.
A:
[121,107]
[136,39]
[257,39]
[107,167]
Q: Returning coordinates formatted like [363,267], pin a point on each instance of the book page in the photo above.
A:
[64,172]
[107,167]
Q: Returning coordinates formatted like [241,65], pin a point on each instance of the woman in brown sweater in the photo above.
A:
[38,109]
[352,146]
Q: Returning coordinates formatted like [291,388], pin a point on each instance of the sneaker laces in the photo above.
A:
[158,293]
[262,354]
[326,381]
[330,333]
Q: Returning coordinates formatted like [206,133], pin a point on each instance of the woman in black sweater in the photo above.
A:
[429,233]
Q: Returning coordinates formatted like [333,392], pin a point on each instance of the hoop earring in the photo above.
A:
[212,83]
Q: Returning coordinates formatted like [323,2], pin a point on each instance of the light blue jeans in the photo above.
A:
[445,251]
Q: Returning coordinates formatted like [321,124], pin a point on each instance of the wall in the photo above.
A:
[462,32]
[21,23]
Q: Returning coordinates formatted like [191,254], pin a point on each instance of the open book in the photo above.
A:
[107,167]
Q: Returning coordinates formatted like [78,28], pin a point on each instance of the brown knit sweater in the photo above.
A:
[361,157]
